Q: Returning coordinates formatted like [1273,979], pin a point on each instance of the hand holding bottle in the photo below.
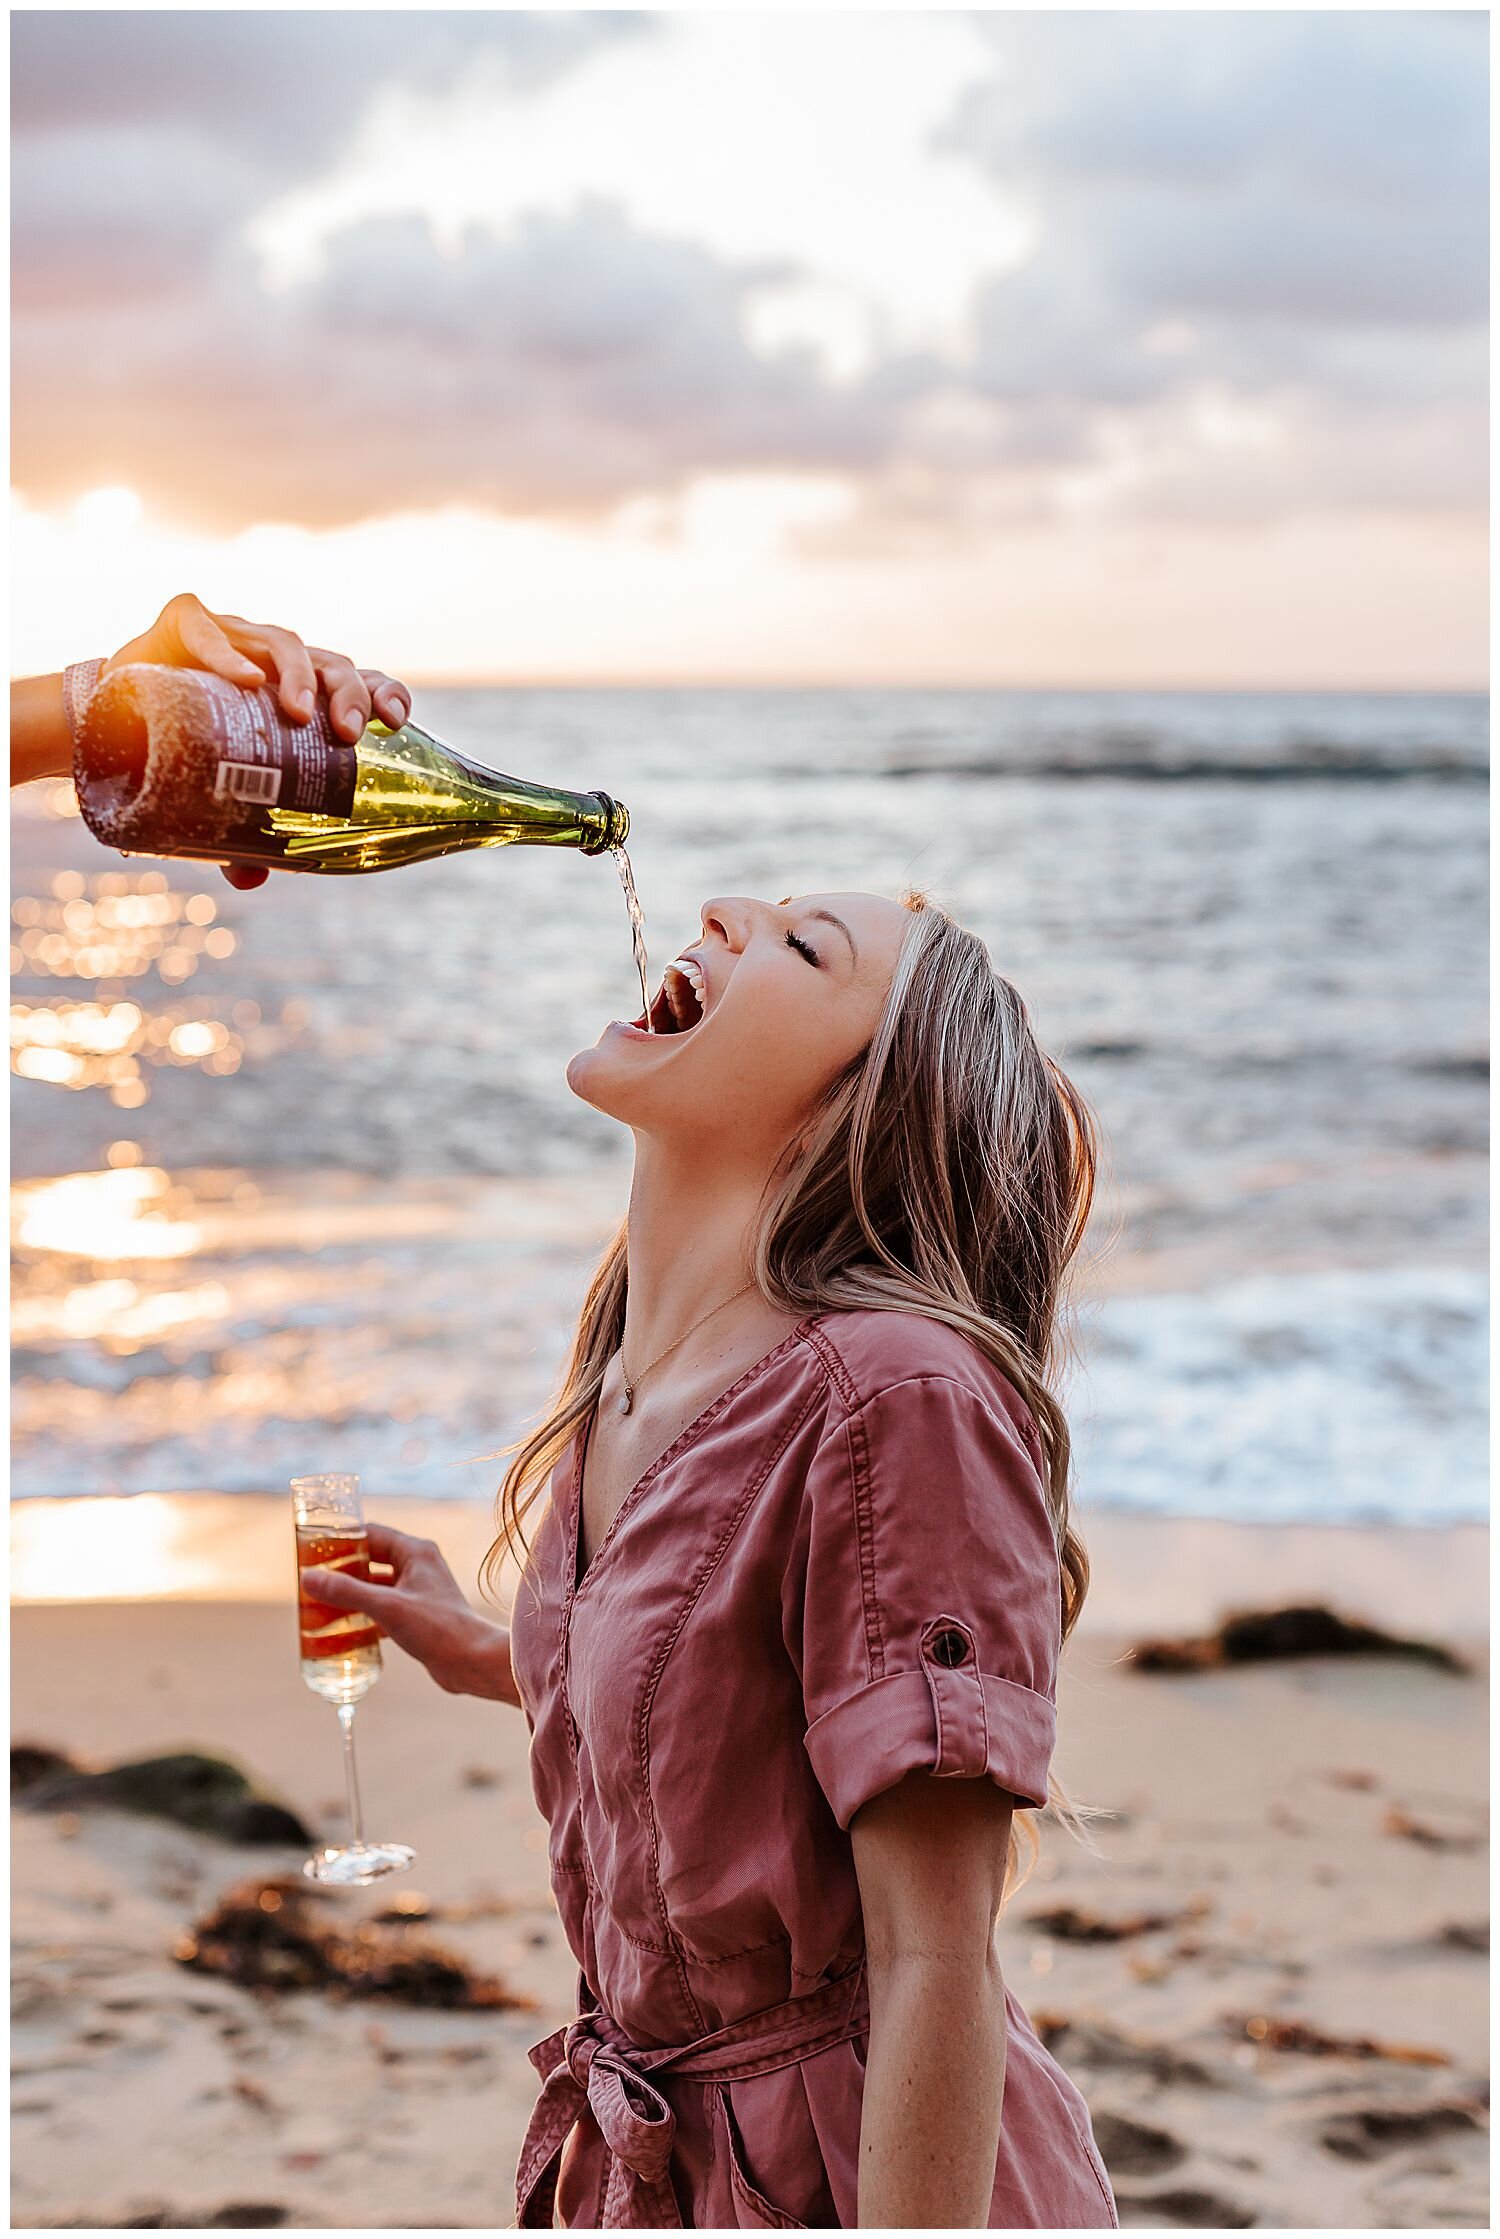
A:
[186,635]
[250,654]
[423,1610]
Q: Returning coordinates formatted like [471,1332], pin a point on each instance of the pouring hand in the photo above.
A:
[186,635]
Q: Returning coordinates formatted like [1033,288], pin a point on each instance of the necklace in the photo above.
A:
[632,1383]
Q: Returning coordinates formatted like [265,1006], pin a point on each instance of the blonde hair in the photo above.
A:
[950,1171]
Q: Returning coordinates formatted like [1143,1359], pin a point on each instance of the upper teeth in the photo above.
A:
[688,968]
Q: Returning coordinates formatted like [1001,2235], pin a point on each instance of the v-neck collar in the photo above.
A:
[581,1573]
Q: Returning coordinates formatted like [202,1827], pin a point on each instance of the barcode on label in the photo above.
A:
[248,781]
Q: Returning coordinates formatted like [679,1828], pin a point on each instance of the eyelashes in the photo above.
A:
[795,940]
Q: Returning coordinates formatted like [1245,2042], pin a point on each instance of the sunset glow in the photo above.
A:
[758,348]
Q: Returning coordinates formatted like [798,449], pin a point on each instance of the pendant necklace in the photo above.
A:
[632,1384]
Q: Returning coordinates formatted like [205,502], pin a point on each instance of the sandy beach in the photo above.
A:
[1308,1837]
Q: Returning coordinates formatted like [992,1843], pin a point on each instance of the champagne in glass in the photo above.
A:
[340,1651]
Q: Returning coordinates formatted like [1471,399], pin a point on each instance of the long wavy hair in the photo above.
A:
[949,1171]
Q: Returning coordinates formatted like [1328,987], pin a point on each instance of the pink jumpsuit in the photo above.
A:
[842,1571]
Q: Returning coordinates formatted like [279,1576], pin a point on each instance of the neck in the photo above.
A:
[688,1248]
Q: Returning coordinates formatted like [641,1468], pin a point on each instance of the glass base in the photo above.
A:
[349,1864]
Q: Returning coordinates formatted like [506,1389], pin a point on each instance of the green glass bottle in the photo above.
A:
[177,762]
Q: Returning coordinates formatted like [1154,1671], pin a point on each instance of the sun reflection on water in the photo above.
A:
[110,930]
[116,1311]
[115,926]
[117,1215]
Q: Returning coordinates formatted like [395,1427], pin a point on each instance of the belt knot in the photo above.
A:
[591,2068]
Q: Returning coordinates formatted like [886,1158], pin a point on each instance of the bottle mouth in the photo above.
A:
[616,823]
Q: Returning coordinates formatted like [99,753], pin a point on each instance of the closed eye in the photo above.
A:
[795,940]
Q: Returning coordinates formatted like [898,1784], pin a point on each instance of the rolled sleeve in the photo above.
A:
[929,1620]
[875,1738]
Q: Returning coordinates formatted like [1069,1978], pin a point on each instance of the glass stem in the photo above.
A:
[351,1777]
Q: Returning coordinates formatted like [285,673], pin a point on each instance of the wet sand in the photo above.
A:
[1312,1833]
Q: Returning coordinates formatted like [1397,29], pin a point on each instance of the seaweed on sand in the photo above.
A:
[1258,1636]
[273,1935]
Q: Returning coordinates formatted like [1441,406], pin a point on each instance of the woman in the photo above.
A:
[787,1635]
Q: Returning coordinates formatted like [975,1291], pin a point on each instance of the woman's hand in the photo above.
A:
[423,1610]
[186,635]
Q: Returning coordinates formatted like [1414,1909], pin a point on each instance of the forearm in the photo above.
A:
[40,742]
[934,2083]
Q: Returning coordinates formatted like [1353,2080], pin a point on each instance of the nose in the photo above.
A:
[731,917]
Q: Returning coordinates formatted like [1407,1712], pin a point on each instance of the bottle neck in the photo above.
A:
[409,775]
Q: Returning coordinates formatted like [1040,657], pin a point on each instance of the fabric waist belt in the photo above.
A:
[590,2069]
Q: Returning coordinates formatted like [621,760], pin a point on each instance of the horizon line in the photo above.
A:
[729,683]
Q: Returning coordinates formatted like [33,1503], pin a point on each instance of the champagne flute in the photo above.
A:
[340,1657]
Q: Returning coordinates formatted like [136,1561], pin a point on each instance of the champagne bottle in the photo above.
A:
[171,761]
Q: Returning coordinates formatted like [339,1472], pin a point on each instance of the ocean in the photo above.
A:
[299,1184]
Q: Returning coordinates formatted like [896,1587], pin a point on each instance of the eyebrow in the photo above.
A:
[829,919]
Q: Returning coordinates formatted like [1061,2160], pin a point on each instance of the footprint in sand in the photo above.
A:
[1188,2205]
[1080,2043]
[1135,2149]
[1465,1935]
[1365,2133]
[235,2215]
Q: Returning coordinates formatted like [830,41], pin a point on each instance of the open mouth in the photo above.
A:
[681,1002]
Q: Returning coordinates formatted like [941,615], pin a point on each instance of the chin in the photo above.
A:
[579,1067]
[595,1080]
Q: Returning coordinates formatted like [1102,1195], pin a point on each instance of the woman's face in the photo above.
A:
[753,1022]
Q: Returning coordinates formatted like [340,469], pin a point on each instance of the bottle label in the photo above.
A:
[264,761]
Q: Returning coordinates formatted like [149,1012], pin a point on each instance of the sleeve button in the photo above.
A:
[950,1648]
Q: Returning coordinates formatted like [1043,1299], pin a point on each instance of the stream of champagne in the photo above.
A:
[637,929]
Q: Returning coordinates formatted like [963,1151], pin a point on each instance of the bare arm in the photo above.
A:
[423,1610]
[40,742]
[930,1858]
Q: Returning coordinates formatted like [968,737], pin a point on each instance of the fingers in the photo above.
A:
[400,1549]
[282,655]
[340,1591]
[347,693]
[245,876]
[252,653]
[206,644]
[391,701]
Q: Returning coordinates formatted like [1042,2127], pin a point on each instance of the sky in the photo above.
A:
[1052,348]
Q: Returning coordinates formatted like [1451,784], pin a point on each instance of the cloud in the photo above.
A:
[142,141]
[285,84]
[1261,180]
[1257,287]
[563,367]
[1260,273]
